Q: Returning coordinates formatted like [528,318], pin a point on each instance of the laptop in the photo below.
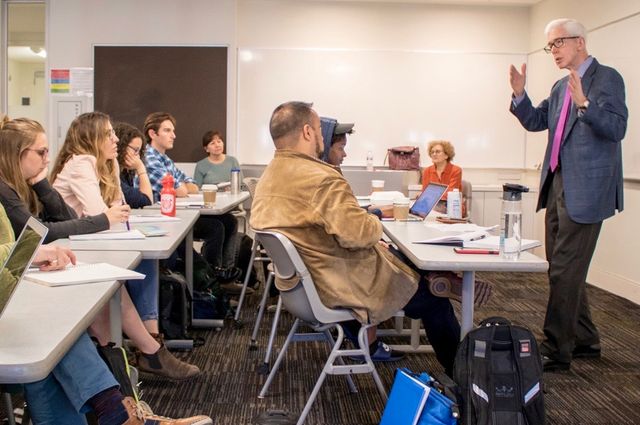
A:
[19,259]
[428,199]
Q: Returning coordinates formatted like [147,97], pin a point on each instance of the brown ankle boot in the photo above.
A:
[140,414]
[163,363]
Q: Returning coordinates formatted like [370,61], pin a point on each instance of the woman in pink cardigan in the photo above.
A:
[87,177]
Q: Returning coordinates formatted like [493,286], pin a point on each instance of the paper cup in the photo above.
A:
[377,185]
[401,208]
[209,195]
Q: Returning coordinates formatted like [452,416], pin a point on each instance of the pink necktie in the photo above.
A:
[557,137]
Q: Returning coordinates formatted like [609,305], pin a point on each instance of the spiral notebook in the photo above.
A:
[82,273]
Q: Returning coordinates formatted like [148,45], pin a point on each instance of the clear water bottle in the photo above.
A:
[511,221]
[369,161]
[235,181]
[454,204]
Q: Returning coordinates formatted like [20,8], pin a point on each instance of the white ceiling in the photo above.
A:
[459,2]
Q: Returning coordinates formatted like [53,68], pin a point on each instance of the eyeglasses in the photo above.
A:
[134,150]
[44,152]
[558,42]
[434,152]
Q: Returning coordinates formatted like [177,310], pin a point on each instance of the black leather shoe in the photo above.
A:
[587,351]
[552,365]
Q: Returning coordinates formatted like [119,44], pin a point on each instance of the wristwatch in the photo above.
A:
[585,105]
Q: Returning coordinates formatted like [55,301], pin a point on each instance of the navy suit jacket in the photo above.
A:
[590,154]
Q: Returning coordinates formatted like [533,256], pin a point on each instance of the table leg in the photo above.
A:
[468,288]
[115,317]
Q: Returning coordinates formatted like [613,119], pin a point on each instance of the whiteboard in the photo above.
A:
[616,45]
[393,97]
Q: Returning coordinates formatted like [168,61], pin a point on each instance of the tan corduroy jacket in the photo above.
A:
[312,204]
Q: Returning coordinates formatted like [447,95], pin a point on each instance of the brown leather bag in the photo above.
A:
[404,158]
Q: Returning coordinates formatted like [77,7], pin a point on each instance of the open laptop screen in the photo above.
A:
[428,199]
[19,259]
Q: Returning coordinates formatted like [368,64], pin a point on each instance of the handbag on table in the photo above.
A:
[416,399]
[404,158]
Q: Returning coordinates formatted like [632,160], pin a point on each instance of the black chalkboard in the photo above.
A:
[130,82]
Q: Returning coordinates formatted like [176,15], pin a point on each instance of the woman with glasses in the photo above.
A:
[442,171]
[134,180]
[86,174]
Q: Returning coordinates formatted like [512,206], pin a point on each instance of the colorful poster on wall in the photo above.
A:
[60,80]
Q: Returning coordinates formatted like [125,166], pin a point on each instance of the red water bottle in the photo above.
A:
[168,196]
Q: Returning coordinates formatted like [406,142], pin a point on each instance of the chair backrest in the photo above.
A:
[302,300]
[251,183]
[467,191]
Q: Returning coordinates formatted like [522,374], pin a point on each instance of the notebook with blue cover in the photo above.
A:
[406,401]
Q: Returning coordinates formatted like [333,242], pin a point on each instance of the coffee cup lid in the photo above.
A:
[402,201]
[209,187]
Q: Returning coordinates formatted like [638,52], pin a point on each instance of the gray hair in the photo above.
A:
[571,26]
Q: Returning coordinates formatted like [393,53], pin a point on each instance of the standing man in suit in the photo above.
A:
[581,182]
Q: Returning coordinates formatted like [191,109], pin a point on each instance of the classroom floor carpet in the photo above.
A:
[602,391]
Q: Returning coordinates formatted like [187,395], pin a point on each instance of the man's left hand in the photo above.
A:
[575,88]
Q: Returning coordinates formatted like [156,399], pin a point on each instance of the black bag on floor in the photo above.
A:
[118,364]
[175,305]
[243,256]
[208,306]
[498,371]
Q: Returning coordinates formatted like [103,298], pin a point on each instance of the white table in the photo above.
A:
[225,202]
[435,257]
[41,323]
[153,248]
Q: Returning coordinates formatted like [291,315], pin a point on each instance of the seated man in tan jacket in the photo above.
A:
[312,204]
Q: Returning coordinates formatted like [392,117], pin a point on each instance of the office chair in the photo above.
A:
[304,303]
[467,191]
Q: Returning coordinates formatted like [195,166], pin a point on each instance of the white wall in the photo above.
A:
[614,266]
[75,26]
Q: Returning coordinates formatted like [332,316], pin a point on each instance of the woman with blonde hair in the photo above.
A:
[86,175]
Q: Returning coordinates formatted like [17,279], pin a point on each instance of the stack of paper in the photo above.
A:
[458,239]
[109,235]
[155,218]
[493,242]
[82,273]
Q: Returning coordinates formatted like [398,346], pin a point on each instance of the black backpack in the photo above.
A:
[175,305]
[498,371]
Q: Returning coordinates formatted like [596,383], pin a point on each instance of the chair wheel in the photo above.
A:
[264,369]
[238,324]
[253,345]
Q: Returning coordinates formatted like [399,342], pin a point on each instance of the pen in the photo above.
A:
[476,251]
[126,222]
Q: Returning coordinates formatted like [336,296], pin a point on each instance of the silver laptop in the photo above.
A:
[428,199]
[19,259]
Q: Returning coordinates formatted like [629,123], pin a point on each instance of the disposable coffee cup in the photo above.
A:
[377,185]
[401,208]
[209,195]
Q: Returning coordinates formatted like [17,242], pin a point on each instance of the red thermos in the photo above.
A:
[168,196]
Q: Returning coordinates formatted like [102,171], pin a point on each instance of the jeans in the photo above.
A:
[61,397]
[144,293]
[217,231]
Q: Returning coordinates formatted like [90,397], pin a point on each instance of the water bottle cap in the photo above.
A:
[513,192]
[235,170]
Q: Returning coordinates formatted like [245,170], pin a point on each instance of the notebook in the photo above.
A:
[493,242]
[19,259]
[406,401]
[149,230]
[428,199]
[82,273]
[109,235]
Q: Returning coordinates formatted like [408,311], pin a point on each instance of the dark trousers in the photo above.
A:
[569,247]
[218,233]
[437,315]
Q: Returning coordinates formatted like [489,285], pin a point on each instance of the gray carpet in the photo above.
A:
[603,391]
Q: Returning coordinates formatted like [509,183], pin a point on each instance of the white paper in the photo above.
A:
[108,235]
[82,273]
[493,242]
[156,218]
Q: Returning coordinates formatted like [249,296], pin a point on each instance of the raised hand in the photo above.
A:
[575,88]
[518,79]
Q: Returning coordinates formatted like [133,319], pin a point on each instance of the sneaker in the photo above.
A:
[141,414]
[163,363]
[235,288]
[383,353]
[449,285]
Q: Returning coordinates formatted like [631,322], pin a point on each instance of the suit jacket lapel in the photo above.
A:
[587,79]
